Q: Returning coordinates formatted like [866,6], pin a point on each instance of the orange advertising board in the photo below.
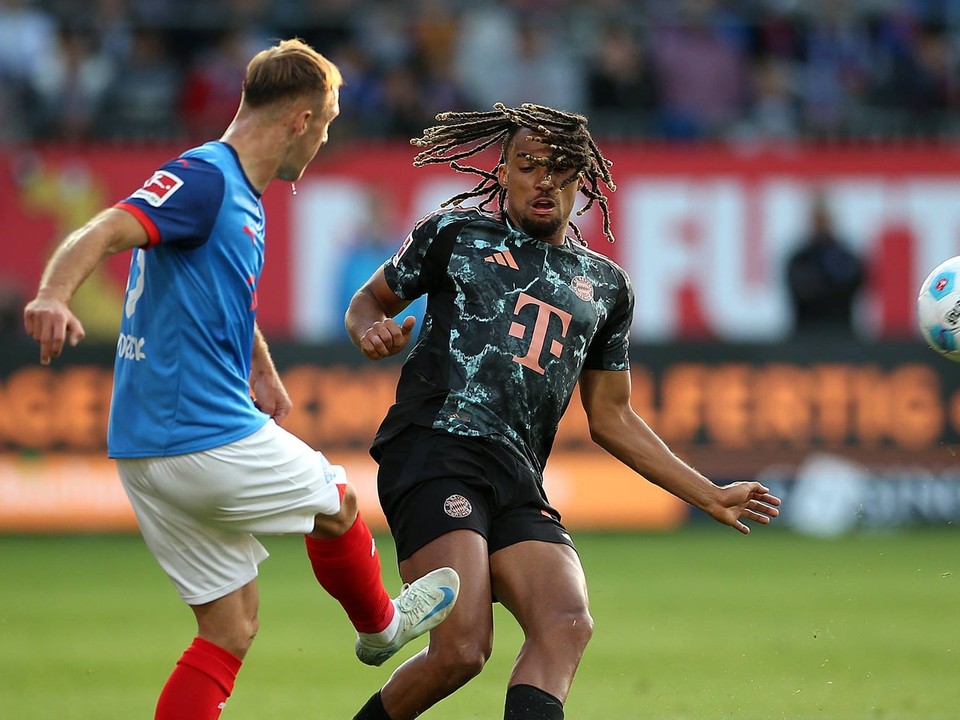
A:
[735,412]
[67,493]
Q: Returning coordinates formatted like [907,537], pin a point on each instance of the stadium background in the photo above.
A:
[724,119]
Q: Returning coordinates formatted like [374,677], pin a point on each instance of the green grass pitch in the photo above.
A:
[701,623]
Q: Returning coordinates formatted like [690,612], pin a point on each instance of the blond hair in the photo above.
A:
[289,69]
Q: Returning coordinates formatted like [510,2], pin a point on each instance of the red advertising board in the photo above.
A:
[704,232]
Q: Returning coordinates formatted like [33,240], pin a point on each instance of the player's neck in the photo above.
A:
[557,238]
[253,144]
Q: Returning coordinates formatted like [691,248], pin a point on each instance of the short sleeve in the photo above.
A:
[179,203]
[610,349]
[420,263]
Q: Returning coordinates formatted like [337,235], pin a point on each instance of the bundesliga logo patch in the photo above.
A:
[457,506]
[159,188]
[403,248]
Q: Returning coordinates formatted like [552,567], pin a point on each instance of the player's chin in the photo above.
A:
[541,226]
[290,173]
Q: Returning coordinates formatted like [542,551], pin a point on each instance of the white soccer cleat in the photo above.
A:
[421,605]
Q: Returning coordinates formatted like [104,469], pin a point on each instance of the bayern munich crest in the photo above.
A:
[457,506]
[582,288]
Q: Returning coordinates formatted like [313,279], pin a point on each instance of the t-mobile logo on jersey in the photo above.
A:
[540,325]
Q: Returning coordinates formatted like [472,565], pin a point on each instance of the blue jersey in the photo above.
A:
[181,374]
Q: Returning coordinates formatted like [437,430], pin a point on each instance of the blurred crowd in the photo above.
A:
[665,69]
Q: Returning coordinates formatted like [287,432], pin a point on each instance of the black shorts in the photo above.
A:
[432,482]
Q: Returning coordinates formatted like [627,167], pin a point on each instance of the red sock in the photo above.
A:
[348,567]
[200,684]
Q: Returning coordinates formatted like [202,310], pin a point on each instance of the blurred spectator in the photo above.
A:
[27,34]
[435,37]
[211,88]
[142,100]
[400,112]
[396,84]
[484,52]
[823,277]
[836,71]
[69,84]
[505,56]
[773,111]
[620,84]
[384,31]
[439,89]
[360,94]
[112,22]
[543,69]
[701,74]
[679,69]
[918,86]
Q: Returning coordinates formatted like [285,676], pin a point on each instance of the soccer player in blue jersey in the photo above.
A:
[197,402]
[518,313]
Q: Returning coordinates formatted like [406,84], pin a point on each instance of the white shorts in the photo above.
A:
[198,512]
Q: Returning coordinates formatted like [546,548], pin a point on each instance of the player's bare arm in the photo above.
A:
[617,428]
[47,318]
[369,319]
[265,384]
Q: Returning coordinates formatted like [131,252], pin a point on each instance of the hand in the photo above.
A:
[271,396]
[386,338]
[745,501]
[50,322]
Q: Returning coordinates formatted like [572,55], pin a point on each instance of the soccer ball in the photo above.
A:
[938,309]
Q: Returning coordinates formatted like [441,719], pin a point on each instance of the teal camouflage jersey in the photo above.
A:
[510,323]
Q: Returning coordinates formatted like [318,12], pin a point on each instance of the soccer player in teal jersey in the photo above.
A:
[518,312]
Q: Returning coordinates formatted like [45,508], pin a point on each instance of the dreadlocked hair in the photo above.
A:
[463,134]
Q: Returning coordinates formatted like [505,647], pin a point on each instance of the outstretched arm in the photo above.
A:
[370,323]
[620,431]
[47,318]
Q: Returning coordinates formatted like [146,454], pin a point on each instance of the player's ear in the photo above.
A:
[302,121]
[502,175]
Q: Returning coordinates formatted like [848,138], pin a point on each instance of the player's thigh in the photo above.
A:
[205,563]
[199,513]
[539,583]
[471,621]
[281,483]
[268,483]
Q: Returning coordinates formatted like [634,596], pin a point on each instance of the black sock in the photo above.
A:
[373,710]
[525,702]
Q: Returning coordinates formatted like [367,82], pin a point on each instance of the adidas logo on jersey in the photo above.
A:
[503,258]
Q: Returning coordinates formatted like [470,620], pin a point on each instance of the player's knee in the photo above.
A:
[236,638]
[573,628]
[564,630]
[461,662]
[338,523]
[246,635]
